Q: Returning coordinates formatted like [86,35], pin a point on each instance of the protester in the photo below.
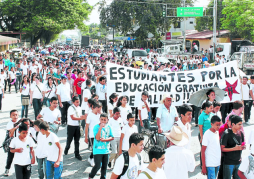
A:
[246,92]
[101,91]
[36,97]
[124,108]
[245,170]
[232,144]
[143,110]
[155,168]
[130,164]
[211,152]
[25,91]
[178,160]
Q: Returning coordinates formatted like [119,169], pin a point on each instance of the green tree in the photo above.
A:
[239,18]
[139,18]
[94,29]
[206,23]
[42,19]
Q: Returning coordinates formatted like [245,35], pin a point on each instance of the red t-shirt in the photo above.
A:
[78,82]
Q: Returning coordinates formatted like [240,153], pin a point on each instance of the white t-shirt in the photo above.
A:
[116,126]
[101,90]
[133,168]
[245,167]
[64,91]
[49,92]
[41,149]
[11,75]
[25,90]
[124,112]
[37,94]
[23,158]
[251,138]
[76,112]
[246,92]
[252,88]
[92,119]
[1,88]
[52,147]
[213,151]
[33,69]
[144,111]
[86,94]
[50,116]
[159,174]
[24,68]
[127,131]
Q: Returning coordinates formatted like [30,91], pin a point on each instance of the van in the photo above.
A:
[136,53]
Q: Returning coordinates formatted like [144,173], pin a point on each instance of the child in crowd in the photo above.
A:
[54,165]
[22,147]
[155,168]
[124,108]
[41,150]
[12,132]
[132,169]
[127,130]
[246,168]
[143,110]
[93,119]
[103,135]
[211,152]
[116,124]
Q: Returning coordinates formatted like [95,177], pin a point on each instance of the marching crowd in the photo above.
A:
[70,89]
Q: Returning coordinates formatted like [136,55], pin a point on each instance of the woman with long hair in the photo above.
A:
[25,94]
[125,109]
[49,91]
[112,103]
[12,79]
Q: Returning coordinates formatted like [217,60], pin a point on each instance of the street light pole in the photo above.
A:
[184,29]
[214,26]
[113,37]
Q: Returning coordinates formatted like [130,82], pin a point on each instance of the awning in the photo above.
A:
[7,40]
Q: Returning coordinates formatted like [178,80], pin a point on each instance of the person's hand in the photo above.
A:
[31,102]
[200,141]
[86,140]
[204,171]
[101,139]
[33,160]
[61,105]
[83,117]
[19,150]
[57,122]
[57,163]
[41,99]
[141,123]
[3,96]
[120,152]
[160,130]
[238,147]
[102,125]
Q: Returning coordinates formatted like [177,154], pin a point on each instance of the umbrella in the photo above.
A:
[65,52]
[199,97]
[83,55]
[95,55]
[52,57]
[47,46]
[44,52]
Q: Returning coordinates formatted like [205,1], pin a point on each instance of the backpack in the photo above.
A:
[93,90]
[126,163]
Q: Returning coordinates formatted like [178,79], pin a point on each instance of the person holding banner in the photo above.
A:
[166,116]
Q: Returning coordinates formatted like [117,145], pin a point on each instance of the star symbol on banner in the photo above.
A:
[231,89]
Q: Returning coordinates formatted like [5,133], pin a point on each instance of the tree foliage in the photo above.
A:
[43,18]
[139,19]
[94,29]
[239,18]
[206,23]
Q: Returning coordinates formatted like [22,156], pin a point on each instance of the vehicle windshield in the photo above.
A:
[236,56]
[139,53]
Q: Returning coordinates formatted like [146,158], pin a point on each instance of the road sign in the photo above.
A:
[190,12]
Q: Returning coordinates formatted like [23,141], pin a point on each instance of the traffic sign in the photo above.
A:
[190,12]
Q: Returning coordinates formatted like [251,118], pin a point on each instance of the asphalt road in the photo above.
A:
[74,168]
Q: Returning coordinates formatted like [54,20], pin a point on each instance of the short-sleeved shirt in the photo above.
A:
[76,112]
[143,109]
[101,90]
[167,118]
[98,146]
[77,83]
[50,116]
[124,111]
[92,119]
[63,90]
[23,158]
[116,126]
[230,140]
[127,131]
[205,120]
[51,141]
[86,94]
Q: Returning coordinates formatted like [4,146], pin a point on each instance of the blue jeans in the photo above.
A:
[229,170]
[52,172]
[24,110]
[41,167]
[212,172]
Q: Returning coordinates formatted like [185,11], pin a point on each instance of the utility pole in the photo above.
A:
[214,26]
[184,29]
[113,36]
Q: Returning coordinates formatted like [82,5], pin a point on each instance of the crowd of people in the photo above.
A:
[70,89]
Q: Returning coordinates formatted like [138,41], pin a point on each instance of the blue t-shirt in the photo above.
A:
[98,146]
[205,120]
[204,59]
